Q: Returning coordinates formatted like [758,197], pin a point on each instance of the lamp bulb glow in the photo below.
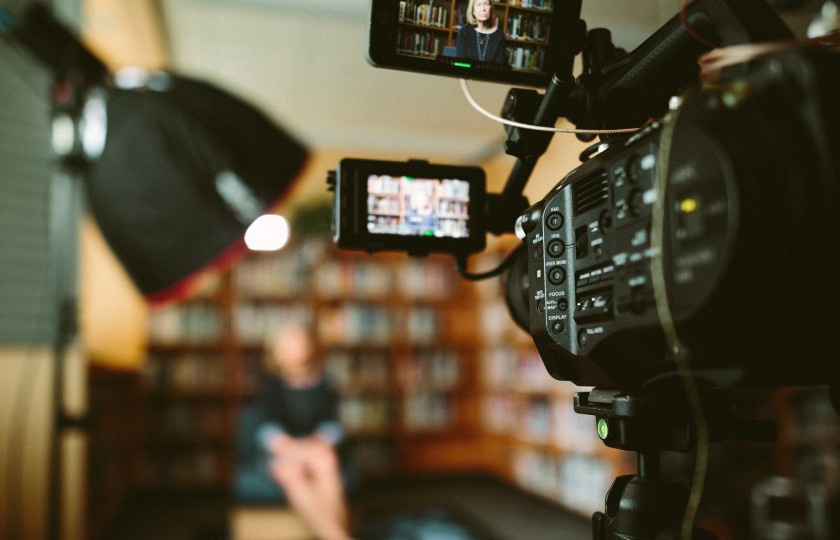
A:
[268,232]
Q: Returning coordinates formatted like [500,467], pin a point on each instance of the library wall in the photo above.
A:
[26,418]
[395,333]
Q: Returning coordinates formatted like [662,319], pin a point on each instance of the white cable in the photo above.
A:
[495,118]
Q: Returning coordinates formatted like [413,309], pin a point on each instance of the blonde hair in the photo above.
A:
[471,16]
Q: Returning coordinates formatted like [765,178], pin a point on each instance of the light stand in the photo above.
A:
[173,174]
[65,211]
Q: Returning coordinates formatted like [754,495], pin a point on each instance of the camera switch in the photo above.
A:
[556,275]
[582,339]
[554,221]
[556,248]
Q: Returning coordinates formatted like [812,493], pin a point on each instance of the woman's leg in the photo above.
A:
[311,478]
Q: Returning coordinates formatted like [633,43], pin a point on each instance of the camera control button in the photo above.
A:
[605,221]
[582,338]
[558,327]
[635,170]
[635,202]
[554,221]
[557,275]
[556,248]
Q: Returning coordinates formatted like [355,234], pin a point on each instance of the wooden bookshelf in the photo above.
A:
[427,28]
[396,333]
[528,421]
[433,375]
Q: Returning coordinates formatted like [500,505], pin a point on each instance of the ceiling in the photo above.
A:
[303,61]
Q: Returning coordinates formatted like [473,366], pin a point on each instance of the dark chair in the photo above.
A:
[252,483]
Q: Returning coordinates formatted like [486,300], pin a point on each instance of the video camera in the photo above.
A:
[742,176]
[702,245]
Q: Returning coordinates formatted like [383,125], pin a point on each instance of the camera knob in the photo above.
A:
[556,248]
[528,221]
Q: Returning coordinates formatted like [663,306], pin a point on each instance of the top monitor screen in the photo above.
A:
[514,41]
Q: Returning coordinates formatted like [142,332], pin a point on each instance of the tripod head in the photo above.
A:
[649,505]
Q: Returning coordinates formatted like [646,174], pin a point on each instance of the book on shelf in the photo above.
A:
[420,43]
[185,324]
[578,482]
[528,27]
[545,5]
[583,482]
[430,13]
[428,411]
[433,370]
[536,421]
[184,373]
[275,275]
[572,431]
[184,421]
[358,370]
[199,468]
[356,324]
[357,278]
[525,58]
[500,413]
[531,374]
[422,324]
[363,414]
[373,456]
[428,279]
[254,322]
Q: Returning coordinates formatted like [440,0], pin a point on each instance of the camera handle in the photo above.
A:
[648,505]
[618,89]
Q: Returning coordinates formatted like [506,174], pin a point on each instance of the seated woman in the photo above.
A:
[481,39]
[296,432]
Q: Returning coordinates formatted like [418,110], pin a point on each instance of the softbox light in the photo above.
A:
[185,169]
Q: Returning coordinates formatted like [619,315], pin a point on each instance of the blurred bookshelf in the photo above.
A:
[395,333]
[528,417]
[433,376]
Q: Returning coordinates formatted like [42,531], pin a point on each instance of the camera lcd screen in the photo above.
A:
[514,41]
[409,206]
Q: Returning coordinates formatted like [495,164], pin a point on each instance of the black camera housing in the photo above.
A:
[368,218]
[750,239]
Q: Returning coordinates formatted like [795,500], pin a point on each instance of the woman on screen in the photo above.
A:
[482,39]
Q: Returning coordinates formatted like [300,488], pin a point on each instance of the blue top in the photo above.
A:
[297,412]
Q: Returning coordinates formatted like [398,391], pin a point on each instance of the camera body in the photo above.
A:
[738,185]
[413,206]
[749,249]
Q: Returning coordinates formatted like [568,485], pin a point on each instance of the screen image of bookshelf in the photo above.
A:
[395,333]
[430,29]
[418,206]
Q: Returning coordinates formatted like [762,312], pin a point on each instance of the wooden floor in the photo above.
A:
[493,509]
